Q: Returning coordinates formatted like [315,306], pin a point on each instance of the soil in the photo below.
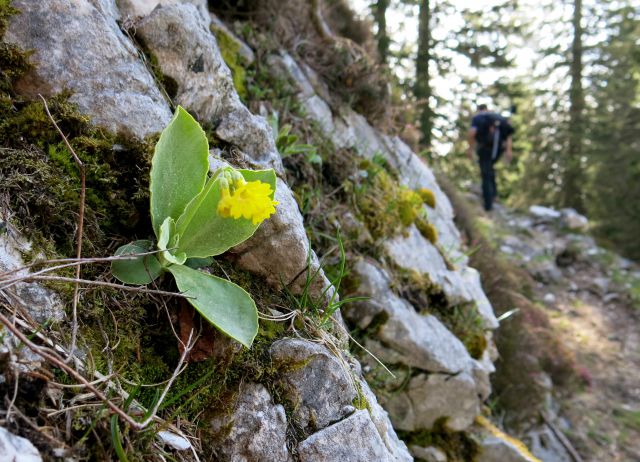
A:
[602,329]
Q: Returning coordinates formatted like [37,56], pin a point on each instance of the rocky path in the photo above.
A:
[587,293]
[605,337]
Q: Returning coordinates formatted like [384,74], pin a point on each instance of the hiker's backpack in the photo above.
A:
[491,131]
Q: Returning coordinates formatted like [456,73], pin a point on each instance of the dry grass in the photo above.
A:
[336,44]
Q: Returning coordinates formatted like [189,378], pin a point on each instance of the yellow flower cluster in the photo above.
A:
[250,200]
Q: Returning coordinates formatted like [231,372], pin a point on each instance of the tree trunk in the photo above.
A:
[572,184]
[422,89]
[380,16]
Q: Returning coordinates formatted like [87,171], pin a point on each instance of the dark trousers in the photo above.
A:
[489,189]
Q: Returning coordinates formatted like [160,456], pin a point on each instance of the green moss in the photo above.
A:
[42,181]
[229,48]
[427,230]
[458,446]
[360,401]
[388,208]
[13,61]
[383,384]
[428,197]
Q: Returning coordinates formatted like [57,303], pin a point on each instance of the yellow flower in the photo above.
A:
[250,200]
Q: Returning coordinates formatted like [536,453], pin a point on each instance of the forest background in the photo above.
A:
[568,73]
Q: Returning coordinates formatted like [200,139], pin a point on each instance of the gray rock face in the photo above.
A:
[428,454]
[353,439]
[93,59]
[409,338]
[351,130]
[243,49]
[14,448]
[544,214]
[38,302]
[414,252]
[430,397]
[256,429]
[140,8]
[187,52]
[456,384]
[572,220]
[545,271]
[320,388]
[397,449]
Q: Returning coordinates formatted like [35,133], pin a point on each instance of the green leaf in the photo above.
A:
[115,439]
[225,305]
[141,270]
[178,169]
[169,239]
[197,263]
[204,233]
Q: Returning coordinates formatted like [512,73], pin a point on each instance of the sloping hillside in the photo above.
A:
[375,337]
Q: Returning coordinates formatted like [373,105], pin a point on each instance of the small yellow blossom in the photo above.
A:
[250,200]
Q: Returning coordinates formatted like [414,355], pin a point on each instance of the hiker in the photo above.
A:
[490,137]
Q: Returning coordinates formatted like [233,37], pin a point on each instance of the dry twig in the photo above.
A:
[64,263]
[139,289]
[53,358]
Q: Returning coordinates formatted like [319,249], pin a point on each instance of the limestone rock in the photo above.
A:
[496,446]
[37,301]
[428,454]
[546,446]
[14,448]
[572,220]
[243,49]
[395,446]
[409,338]
[107,7]
[140,8]
[430,397]
[93,59]
[544,214]
[351,130]
[414,252]
[256,429]
[405,337]
[187,52]
[319,386]
[545,271]
[353,439]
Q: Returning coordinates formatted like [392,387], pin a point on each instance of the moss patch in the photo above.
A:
[13,62]
[42,182]
[229,48]
[387,207]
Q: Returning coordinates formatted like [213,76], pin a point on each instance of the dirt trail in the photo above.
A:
[605,337]
[588,301]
